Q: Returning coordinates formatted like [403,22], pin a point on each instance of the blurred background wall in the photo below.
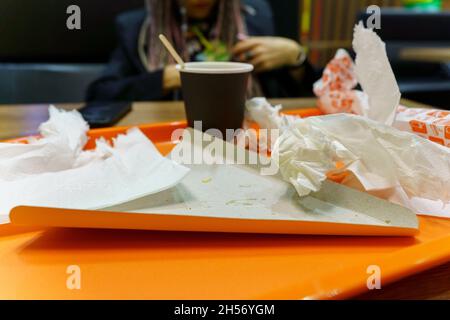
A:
[417,40]
[42,61]
[327,25]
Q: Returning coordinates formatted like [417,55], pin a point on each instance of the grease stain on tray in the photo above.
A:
[244,202]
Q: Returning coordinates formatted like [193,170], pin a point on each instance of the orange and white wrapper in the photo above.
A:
[431,124]
[335,89]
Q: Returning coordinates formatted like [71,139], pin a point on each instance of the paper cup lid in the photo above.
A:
[216,67]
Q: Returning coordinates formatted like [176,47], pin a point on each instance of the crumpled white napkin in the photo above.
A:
[54,171]
[380,157]
[267,116]
[63,138]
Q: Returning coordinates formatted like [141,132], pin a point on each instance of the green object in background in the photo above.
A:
[428,5]
[214,50]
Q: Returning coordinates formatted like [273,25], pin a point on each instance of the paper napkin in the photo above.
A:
[55,172]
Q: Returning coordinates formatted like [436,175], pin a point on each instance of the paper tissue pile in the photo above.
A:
[380,159]
[54,171]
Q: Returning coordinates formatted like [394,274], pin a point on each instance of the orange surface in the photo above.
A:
[178,265]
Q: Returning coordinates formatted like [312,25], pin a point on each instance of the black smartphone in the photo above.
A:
[104,114]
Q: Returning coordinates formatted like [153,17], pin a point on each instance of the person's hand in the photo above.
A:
[267,53]
[171,78]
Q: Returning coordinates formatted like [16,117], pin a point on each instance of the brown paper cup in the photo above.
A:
[214,93]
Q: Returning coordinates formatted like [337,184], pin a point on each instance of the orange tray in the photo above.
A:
[181,265]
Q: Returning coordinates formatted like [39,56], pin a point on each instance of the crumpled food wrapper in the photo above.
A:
[380,96]
[384,161]
[431,124]
[380,159]
[335,90]
[54,171]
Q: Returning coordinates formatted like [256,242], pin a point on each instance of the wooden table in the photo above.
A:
[20,120]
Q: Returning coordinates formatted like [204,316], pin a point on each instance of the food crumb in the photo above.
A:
[207,180]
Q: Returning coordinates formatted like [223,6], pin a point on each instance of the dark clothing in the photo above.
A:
[126,77]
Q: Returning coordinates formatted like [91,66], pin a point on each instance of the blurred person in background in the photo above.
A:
[140,69]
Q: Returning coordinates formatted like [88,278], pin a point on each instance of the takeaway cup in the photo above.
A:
[214,93]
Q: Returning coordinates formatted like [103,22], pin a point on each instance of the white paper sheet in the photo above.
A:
[375,75]
[55,172]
